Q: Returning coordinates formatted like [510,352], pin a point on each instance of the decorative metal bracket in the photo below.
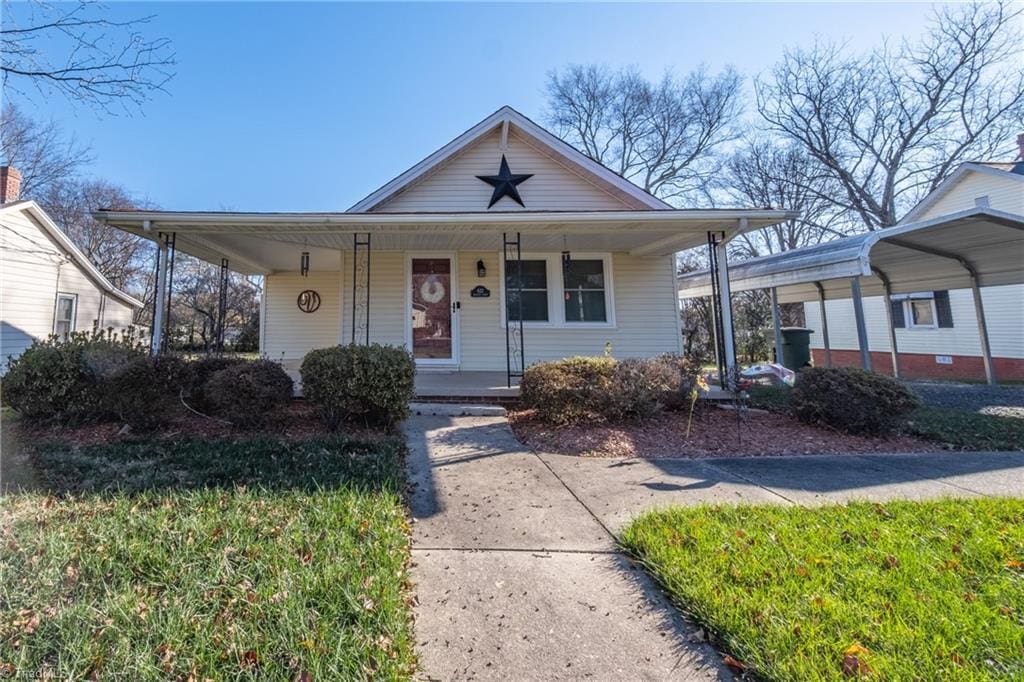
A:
[515,357]
[716,307]
[222,307]
[361,288]
[170,240]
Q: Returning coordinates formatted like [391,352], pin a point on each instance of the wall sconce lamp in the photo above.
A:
[481,269]
[304,264]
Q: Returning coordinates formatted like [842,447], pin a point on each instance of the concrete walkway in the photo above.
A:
[516,580]
[517,572]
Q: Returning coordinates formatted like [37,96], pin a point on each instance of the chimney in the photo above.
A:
[1020,147]
[10,184]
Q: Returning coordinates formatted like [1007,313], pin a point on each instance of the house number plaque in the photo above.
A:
[309,301]
[480,292]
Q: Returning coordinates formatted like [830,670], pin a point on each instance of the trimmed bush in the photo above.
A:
[247,393]
[373,383]
[62,379]
[144,391]
[199,372]
[568,391]
[587,388]
[850,399]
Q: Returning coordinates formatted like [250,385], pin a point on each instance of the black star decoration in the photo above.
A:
[504,184]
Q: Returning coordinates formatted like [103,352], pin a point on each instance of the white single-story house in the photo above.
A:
[47,285]
[941,295]
[936,330]
[504,247]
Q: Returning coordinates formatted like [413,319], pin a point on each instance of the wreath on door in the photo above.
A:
[432,290]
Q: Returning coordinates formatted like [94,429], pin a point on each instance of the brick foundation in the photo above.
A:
[923,366]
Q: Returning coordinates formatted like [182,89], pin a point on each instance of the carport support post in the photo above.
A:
[892,333]
[986,350]
[824,324]
[862,329]
[160,298]
[777,326]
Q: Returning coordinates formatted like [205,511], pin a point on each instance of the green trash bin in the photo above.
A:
[796,347]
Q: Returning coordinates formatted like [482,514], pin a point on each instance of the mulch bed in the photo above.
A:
[715,433]
[296,422]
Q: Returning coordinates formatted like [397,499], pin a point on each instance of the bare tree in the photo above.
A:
[767,175]
[195,311]
[77,51]
[121,256]
[42,152]
[668,136]
[890,125]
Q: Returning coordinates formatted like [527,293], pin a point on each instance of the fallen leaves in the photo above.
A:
[854,663]
[734,665]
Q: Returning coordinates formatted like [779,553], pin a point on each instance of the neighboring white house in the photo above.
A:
[936,331]
[431,261]
[48,286]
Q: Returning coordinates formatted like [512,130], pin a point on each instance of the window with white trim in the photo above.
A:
[558,292]
[64,316]
[584,290]
[922,312]
[533,288]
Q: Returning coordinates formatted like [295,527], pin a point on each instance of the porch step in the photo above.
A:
[456,410]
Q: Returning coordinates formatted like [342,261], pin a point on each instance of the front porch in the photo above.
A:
[436,386]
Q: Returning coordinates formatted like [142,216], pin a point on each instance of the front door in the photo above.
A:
[433,324]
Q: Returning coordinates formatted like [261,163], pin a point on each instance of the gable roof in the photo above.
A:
[503,117]
[65,244]
[1000,170]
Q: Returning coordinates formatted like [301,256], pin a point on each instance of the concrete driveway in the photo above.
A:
[517,571]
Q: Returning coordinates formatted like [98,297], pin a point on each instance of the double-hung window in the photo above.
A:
[923,310]
[64,316]
[583,287]
[527,279]
[560,292]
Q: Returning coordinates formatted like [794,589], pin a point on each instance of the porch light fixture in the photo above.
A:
[565,251]
[481,269]
[304,264]
[566,258]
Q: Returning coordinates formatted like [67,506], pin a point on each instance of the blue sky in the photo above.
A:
[312,106]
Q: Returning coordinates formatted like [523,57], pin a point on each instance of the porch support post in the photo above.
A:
[725,302]
[887,287]
[170,241]
[159,297]
[862,329]
[979,311]
[777,326]
[222,307]
[824,324]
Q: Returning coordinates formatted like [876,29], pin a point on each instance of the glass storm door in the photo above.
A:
[432,310]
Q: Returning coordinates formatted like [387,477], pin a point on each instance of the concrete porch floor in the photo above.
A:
[438,384]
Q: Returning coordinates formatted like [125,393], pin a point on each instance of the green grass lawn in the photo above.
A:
[209,559]
[965,429]
[897,591]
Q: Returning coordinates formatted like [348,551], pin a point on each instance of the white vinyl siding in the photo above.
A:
[1003,193]
[33,269]
[1004,313]
[643,294]
[289,333]
[455,187]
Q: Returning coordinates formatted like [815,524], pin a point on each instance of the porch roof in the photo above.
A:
[933,254]
[261,243]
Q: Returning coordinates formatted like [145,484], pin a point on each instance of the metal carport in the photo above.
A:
[965,250]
